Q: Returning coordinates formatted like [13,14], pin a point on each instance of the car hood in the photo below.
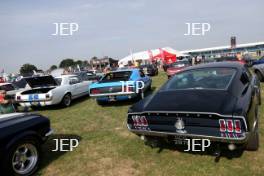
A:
[190,101]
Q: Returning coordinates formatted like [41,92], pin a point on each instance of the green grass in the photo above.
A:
[107,148]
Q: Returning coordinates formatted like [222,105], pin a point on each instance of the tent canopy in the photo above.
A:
[166,54]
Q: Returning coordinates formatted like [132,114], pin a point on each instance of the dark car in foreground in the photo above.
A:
[21,136]
[176,67]
[150,69]
[215,101]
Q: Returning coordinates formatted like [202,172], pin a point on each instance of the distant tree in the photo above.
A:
[66,63]
[27,69]
[79,62]
[94,58]
[53,67]
[86,63]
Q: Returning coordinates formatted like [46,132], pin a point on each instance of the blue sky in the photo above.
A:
[113,27]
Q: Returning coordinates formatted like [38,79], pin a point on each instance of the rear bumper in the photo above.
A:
[113,94]
[187,135]
[47,135]
[36,103]
[50,132]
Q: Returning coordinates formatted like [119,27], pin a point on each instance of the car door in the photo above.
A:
[83,86]
[75,88]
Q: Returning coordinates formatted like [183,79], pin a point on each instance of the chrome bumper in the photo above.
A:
[212,138]
[50,132]
[113,94]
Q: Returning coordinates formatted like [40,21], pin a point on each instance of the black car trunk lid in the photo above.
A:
[215,101]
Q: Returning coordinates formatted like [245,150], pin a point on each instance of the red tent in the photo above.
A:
[166,57]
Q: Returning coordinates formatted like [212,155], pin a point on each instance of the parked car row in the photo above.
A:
[216,101]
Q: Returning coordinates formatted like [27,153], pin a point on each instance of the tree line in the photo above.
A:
[28,68]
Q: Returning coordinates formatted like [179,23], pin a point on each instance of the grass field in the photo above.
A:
[107,148]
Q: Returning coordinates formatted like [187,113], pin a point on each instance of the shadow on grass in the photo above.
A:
[48,156]
[57,107]
[128,102]
[210,151]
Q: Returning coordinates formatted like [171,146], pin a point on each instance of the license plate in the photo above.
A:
[180,140]
[112,98]
[33,97]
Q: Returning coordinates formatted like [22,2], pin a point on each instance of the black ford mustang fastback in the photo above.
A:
[216,101]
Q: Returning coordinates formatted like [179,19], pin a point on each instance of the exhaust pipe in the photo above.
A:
[142,137]
[231,147]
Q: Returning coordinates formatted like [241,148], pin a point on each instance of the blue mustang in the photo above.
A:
[121,85]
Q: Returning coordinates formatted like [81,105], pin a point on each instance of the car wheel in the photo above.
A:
[100,102]
[149,88]
[66,101]
[253,142]
[259,75]
[23,157]
[142,95]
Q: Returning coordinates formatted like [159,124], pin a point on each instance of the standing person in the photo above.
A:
[6,106]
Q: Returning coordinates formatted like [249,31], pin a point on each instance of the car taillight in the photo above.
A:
[230,125]
[139,121]
[18,98]
[222,125]
[128,89]
[95,91]
[237,126]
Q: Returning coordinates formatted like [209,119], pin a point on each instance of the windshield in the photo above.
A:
[116,76]
[205,78]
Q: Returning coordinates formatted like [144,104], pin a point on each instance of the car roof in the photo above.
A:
[65,76]
[225,64]
[129,69]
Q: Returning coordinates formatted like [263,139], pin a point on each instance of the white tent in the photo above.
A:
[146,55]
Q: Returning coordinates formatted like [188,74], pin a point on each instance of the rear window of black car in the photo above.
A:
[204,78]
[116,76]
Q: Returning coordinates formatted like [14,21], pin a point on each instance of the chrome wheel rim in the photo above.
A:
[25,158]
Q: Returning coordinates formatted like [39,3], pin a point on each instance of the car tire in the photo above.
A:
[100,102]
[253,142]
[66,100]
[24,153]
[142,95]
[149,88]
[260,76]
